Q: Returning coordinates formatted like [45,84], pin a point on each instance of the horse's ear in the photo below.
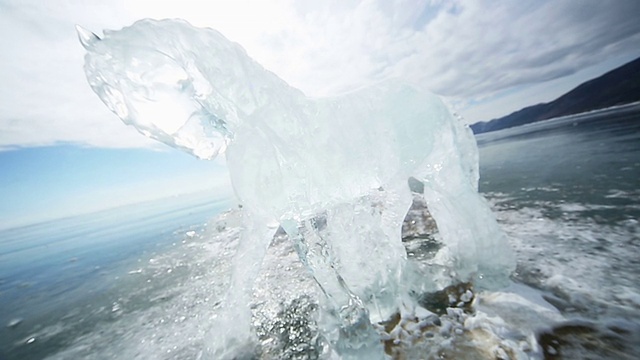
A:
[87,38]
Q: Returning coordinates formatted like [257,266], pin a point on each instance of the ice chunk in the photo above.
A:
[332,172]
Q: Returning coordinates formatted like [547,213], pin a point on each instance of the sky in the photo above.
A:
[63,152]
[45,183]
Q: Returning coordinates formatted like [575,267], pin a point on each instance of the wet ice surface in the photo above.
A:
[163,306]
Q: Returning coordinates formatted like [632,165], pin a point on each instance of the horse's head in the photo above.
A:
[175,83]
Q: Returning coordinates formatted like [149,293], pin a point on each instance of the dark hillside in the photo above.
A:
[617,87]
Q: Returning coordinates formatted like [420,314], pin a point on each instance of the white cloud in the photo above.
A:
[463,49]
[492,46]
[472,51]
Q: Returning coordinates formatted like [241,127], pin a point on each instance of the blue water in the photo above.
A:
[49,268]
[583,158]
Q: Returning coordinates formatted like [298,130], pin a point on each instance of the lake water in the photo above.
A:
[65,271]
[144,281]
[567,192]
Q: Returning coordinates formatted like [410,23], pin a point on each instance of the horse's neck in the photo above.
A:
[248,92]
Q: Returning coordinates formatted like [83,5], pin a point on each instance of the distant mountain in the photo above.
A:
[617,87]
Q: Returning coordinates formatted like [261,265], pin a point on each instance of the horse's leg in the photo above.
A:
[309,238]
[233,337]
[312,243]
[367,233]
[397,201]
[354,252]
[477,247]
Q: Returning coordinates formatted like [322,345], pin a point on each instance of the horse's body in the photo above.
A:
[332,172]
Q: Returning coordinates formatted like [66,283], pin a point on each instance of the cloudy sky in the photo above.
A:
[487,58]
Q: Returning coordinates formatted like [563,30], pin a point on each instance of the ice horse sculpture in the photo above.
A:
[331,172]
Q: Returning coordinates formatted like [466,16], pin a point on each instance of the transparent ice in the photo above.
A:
[332,172]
